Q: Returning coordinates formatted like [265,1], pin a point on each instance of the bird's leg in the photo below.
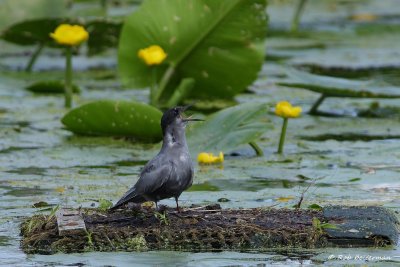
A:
[177,205]
[156,205]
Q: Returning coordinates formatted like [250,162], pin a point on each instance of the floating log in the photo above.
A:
[208,228]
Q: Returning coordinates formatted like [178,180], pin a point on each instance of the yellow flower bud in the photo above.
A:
[152,55]
[285,110]
[71,35]
[209,158]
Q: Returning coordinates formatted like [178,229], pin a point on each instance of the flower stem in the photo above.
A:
[283,134]
[257,149]
[296,17]
[314,108]
[34,57]
[153,86]
[163,83]
[68,77]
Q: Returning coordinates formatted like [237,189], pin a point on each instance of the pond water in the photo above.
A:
[358,163]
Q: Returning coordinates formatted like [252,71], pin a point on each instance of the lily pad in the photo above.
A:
[218,43]
[50,87]
[31,32]
[103,33]
[229,128]
[115,118]
[337,87]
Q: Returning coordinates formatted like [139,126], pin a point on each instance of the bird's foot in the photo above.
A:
[161,208]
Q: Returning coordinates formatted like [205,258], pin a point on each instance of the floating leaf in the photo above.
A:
[218,43]
[103,35]
[115,118]
[40,204]
[229,128]
[337,87]
[315,207]
[354,179]
[32,32]
[50,87]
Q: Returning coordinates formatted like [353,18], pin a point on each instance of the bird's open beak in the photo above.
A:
[189,118]
[184,108]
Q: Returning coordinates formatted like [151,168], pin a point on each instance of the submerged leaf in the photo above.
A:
[50,87]
[338,87]
[220,44]
[115,118]
[104,34]
[229,128]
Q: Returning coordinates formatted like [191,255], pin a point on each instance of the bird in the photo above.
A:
[171,171]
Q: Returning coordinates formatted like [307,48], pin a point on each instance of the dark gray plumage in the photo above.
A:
[170,172]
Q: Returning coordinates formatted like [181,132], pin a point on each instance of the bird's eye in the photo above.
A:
[176,111]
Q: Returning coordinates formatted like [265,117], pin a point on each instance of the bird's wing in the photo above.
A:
[152,177]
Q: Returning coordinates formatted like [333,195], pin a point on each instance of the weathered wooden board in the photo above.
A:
[70,222]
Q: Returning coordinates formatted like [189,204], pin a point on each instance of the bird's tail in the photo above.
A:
[130,196]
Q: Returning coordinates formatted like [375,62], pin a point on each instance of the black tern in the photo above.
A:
[170,172]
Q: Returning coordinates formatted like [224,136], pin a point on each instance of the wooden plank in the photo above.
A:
[70,222]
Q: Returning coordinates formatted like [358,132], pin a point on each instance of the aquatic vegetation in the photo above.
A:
[152,55]
[50,87]
[115,118]
[103,34]
[69,36]
[104,204]
[285,110]
[229,128]
[206,41]
[162,217]
[209,158]
[39,158]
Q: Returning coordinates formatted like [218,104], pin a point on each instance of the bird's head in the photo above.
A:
[173,118]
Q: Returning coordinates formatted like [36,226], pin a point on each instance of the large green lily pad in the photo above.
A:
[229,128]
[218,43]
[115,118]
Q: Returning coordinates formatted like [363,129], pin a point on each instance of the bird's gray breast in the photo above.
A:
[182,172]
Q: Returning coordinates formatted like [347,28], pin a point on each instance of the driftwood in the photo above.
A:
[209,229]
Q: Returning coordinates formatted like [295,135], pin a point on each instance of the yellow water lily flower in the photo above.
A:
[285,110]
[209,158]
[71,35]
[152,55]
